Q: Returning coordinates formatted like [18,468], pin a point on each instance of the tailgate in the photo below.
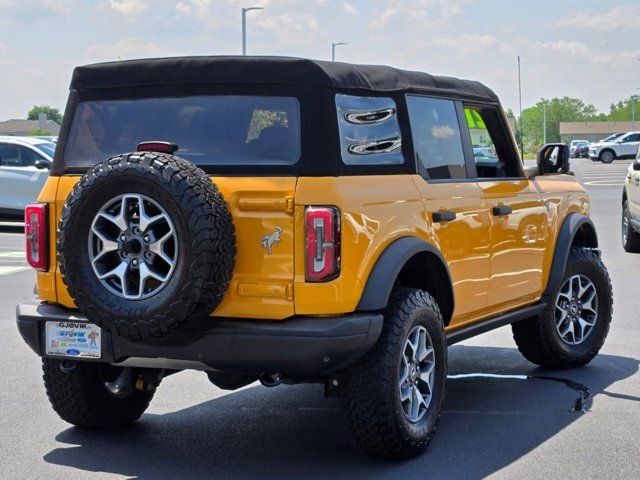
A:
[262,283]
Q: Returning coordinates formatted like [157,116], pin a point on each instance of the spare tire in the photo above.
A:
[146,245]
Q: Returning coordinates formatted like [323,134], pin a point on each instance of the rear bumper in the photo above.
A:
[297,346]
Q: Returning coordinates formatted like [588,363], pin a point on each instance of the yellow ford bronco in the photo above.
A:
[289,220]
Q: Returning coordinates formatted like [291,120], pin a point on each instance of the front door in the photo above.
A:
[518,214]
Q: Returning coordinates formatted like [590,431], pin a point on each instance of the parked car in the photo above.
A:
[49,138]
[292,220]
[631,208]
[610,138]
[24,168]
[625,146]
[579,149]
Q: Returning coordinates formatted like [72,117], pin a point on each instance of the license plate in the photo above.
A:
[73,339]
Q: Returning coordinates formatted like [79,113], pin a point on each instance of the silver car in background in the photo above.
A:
[24,167]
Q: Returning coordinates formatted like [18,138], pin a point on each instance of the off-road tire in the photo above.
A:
[368,390]
[204,228]
[78,395]
[607,158]
[630,242]
[538,339]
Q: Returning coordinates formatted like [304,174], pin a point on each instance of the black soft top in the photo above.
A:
[269,70]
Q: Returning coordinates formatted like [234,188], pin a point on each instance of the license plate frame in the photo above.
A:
[73,339]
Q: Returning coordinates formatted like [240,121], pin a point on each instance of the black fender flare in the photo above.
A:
[574,225]
[389,264]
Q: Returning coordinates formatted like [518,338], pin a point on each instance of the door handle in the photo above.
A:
[501,210]
[443,216]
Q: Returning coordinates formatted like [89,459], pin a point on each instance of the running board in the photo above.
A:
[483,326]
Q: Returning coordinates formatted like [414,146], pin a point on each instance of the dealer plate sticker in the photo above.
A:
[73,339]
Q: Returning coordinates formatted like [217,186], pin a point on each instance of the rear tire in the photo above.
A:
[540,340]
[630,238]
[78,394]
[372,390]
[607,156]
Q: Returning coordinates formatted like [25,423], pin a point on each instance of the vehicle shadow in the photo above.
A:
[294,432]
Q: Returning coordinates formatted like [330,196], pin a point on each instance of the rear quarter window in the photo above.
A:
[369,130]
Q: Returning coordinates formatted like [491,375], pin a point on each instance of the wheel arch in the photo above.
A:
[409,262]
[577,230]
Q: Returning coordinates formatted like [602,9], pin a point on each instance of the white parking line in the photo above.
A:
[13,254]
[10,270]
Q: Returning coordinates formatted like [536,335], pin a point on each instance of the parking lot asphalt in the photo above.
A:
[491,427]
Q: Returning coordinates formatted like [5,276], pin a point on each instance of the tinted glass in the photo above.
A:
[436,137]
[209,130]
[369,130]
[48,148]
[16,156]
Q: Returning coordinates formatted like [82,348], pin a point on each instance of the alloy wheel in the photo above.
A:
[576,309]
[417,374]
[133,246]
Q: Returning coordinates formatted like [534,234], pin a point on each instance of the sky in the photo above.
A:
[581,48]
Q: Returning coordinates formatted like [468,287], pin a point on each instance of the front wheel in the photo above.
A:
[607,156]
[393,396]
[94,395]
[573,327]
[630,238]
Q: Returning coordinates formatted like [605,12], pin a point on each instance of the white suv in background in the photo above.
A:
[24,167]
[625,146]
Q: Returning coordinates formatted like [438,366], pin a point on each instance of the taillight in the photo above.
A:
[322,243]
[36,232]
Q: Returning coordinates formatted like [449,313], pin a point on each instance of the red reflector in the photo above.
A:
[162,147]
[322,243]
[36,233]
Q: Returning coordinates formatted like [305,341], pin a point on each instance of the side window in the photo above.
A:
[436,137]
[369,130]
[10,155]
[633,138]
[17,156]
[491,154]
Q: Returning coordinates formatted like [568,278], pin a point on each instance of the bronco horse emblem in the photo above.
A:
[269,241]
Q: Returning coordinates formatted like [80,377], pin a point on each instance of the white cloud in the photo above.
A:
[465,44]
[349,9]
[125,49]
[129,8]
[616,18]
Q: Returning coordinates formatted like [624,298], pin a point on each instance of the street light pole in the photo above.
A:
[520,100]
[244,26]
[333,49]
[544,123]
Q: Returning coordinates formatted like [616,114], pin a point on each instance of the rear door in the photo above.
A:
[628,145]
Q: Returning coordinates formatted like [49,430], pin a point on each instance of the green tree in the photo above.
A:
[51,112]
[623,110]
[36,132]
[565,109]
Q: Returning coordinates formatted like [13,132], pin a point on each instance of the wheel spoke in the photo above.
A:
[157,247]
[107,244]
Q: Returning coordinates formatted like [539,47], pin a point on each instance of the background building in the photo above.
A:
[21,127]
[594,131]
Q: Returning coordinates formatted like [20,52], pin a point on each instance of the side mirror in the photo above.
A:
[553,158]
[42,164]
[636,164]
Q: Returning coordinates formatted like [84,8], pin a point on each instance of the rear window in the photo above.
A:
[209,130]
